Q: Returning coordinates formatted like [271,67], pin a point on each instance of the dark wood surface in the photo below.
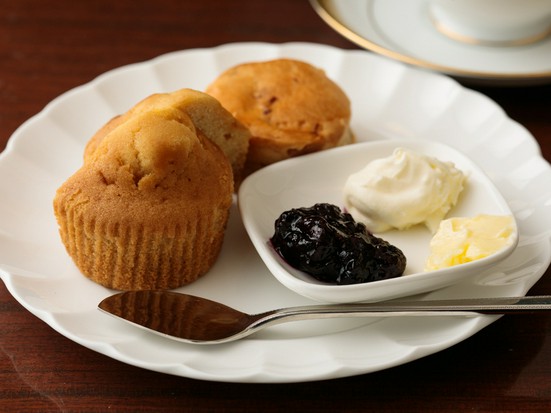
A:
[48,47]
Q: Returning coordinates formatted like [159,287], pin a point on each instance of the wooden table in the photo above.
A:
[49,47]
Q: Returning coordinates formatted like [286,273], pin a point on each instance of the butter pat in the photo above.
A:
[460,240]
[403,190]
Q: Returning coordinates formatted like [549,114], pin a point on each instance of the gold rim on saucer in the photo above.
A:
[484,77]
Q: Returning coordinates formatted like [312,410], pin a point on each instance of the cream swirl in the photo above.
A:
[403,190]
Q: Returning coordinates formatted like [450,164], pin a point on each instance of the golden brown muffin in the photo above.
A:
[290,107]
[208,116]
[149,207]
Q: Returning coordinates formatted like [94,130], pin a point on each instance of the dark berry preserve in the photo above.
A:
[328,244]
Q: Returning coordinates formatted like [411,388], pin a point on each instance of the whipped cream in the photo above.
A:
[403,190]
[460,240]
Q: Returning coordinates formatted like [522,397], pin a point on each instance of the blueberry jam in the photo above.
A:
[329,245]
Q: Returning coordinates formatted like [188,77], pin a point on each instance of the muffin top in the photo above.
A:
[151,168]
[285,103]
[199,111]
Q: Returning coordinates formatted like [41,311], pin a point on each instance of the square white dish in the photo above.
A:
[320,177]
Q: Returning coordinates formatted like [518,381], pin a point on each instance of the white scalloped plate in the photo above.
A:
[320,178]
[389,101]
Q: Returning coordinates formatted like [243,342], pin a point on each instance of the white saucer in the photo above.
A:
[402,30]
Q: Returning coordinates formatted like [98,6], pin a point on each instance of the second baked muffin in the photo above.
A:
[290,107]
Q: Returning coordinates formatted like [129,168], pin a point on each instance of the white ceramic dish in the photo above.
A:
[388,100]
[403,30]
[320,177]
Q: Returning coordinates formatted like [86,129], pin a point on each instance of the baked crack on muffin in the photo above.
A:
[205,113]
